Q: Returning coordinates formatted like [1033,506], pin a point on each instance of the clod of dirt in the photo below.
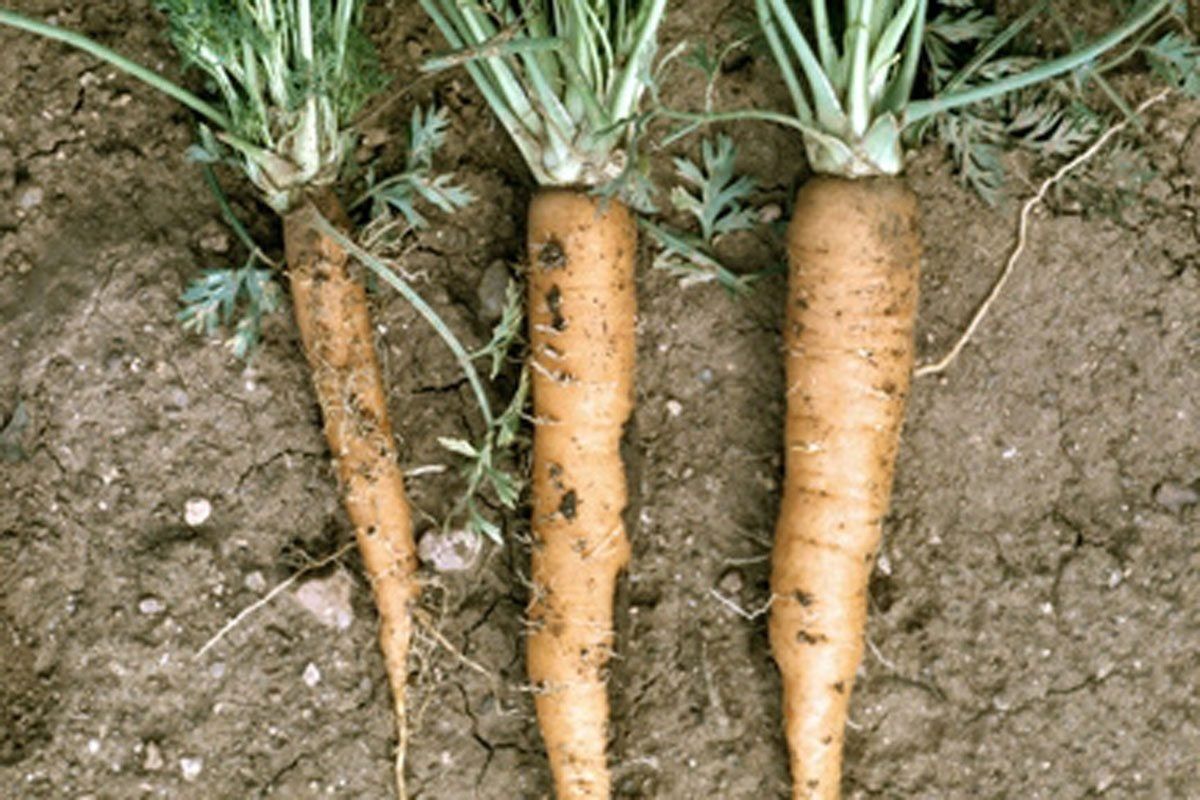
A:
[327,599]
[1175,496]
[451,551]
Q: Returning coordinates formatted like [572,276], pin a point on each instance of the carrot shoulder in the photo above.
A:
[854,250]
[581,317]
[335,327]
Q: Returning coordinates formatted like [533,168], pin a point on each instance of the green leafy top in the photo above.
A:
[290,74]
[565,77]
[852,77]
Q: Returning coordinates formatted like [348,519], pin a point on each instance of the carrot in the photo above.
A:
[581,320]
[566,80]
[289,133]
[853,250]
[332,315]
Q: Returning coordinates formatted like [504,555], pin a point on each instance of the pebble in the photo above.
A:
[327,599]
[452,551]
[196,511]
[217,670]
[255,582]
[731,582]
[1175,496]
[154,759]
[191,768]
[312,675]
[769,213]
[705,376]
[674,408]
[30,197]
[151,605]
[492,291]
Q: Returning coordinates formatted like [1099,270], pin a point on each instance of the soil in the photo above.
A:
[1034,623]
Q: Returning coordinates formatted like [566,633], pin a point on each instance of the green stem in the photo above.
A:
[153,79]
[923,109]
[390,277]
[210,178]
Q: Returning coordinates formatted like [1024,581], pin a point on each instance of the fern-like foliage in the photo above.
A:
[1049,120]
[224,297]
[715,196]
[1177,60]
[419,181]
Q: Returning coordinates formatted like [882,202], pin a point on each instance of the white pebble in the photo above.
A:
[154,759]
[451,551]
[196,511]
[312,675]
[328,599]
[674,408]
[217,670]
[255,581]
[151,605]
[93,746]
[191,768]
[30,197]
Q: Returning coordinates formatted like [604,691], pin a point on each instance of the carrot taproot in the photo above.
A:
[330,307]
[853,247]
[581,327]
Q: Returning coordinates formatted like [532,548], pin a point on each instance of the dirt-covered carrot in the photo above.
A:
[565,77]
[581,315]
[290,75]
[853,249]
[332,315]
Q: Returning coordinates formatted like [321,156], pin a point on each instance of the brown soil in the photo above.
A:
[1034,620]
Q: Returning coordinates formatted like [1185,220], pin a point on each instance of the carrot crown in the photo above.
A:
[287,76]
[851,78]
[565,77]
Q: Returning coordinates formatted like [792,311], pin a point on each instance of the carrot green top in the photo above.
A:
[287,76]
[565,77]
[851,77]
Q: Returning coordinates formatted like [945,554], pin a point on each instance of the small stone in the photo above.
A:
[731,582]
[191,768]
[327,599]
[674,408]
[154,759]
[196,511]
[1175,496]
[705,376]
[769,213]
[30,197]
[493,291]
[255,582]
[217,670]
[312,675]
[93,746]
[213,239]
[451,551]
[151,606]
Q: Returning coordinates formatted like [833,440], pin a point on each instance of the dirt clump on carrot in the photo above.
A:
[582,311]
[854,249]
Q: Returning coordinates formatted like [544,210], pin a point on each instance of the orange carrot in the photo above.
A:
[854,249]
[335,328]
[581,318]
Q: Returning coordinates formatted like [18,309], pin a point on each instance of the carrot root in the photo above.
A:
[854,250]
[581,316]
[335,327]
